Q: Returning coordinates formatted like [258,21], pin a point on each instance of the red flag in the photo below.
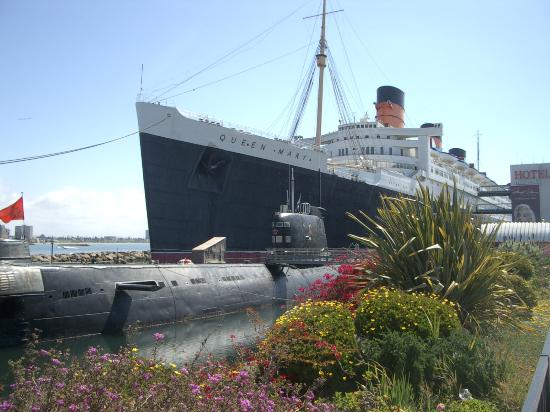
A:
[13,212]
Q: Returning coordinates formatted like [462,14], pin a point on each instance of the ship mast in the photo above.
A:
[321,63]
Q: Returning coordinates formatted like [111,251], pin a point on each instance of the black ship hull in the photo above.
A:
[195,192]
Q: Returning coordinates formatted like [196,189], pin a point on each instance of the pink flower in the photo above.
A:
[6,406]
[195,389]
[440,407]
[56,362]
[73,407]
[214,378]
[159,337]
[92,351]
[246,405]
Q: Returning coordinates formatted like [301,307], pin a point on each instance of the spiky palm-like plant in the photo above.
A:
[433,243]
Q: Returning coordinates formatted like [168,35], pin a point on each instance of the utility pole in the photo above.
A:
[478,134]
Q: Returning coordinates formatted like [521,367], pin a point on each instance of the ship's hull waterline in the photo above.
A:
[194,192]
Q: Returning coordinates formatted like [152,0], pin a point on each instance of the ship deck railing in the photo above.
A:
[309,256]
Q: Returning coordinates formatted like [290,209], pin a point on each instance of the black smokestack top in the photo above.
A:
[393,94]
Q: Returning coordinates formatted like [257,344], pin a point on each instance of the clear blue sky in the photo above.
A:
[70,75]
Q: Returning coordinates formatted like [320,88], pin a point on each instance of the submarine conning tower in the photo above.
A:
[390,106]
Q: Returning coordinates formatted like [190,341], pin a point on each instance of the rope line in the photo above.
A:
[44,156]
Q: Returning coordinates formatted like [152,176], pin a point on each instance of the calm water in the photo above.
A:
[184,341]
[46,248]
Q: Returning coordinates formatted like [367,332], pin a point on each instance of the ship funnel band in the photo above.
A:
[391,94]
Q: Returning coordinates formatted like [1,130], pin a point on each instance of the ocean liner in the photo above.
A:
[204,178]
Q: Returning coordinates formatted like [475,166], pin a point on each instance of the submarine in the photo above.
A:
[63,301]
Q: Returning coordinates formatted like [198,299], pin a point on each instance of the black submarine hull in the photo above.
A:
[69,301]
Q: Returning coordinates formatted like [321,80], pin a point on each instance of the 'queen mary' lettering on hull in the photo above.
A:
[254,145]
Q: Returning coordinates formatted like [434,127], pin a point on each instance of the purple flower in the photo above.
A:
[195,389]
[83,388]
[59,385]
[43,353]
[56,362]
[92,351]
[184,371]
[64,371]
[112,395]
[60,402]
[241,376]
[246,405]
[13,386]
[147,376]
[214,378]
[73,407]
[159,337]
[35,408]
[104,357]
[6,406]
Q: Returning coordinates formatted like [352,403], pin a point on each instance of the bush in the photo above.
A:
[314,339]
[55,381]
[472,405]
[471,361]
[434,243]
[442,364]
[523,289]
[382,310]
[518,264]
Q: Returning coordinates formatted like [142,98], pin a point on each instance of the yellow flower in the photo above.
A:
[173,365]
[135,350]
[178,373]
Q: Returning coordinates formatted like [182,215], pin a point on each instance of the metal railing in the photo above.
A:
[538,397]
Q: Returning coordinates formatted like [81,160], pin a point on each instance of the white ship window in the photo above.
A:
[346,151]
[378,136]
[287,224]
[372,150]
[401,152]
[280,224]
[278,239]
[288,239]
[391,151]
[381,150]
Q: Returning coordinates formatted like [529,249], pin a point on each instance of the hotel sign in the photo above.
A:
[530,174]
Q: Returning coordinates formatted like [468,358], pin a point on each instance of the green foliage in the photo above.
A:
[517,264]
[442,365]
[434,244]
[382,310]
[529,249]
[472,405]
[523,290]
[315,339]
[472,361]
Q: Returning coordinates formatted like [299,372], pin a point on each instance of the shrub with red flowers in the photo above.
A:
[315,339]
[55,381]
[344,287]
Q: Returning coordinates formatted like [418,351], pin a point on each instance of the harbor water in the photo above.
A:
[67,248]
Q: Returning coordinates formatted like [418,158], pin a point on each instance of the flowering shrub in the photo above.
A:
[344,287]
[55,381]
[314,339]
[382,310]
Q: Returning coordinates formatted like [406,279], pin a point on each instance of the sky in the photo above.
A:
[71,70]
